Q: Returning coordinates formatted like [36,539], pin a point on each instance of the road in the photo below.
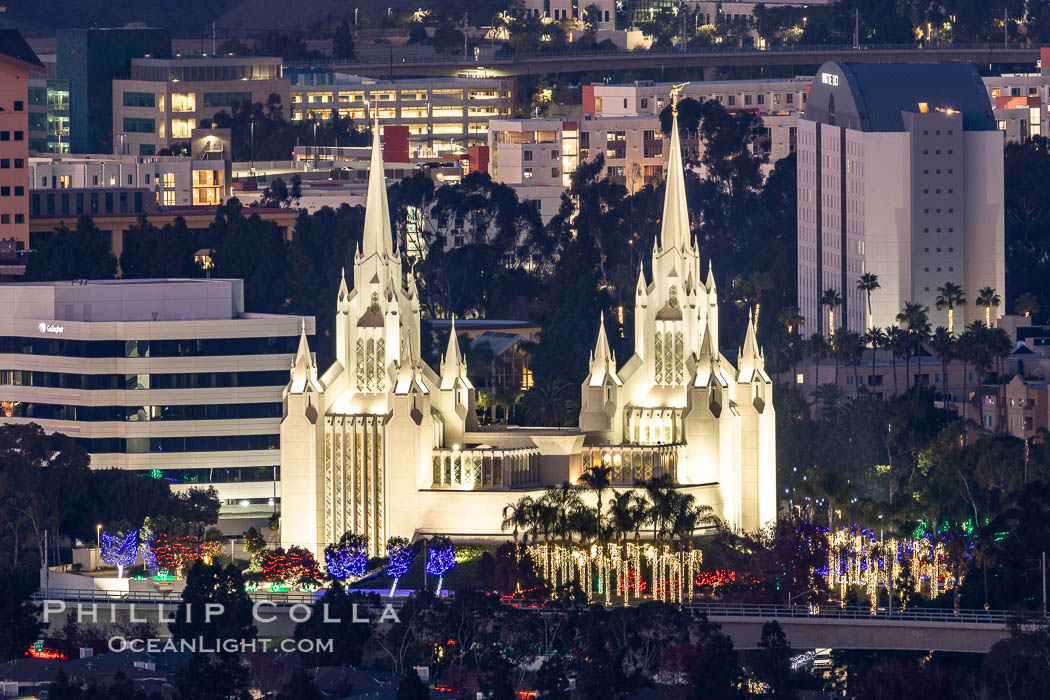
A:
[707,60]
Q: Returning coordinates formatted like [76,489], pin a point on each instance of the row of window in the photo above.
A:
[213,475]
[54,411]
[6,135]
[196,443]
[81,203]
[194,347]
[135,382]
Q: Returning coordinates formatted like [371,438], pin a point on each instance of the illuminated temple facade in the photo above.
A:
[383,445]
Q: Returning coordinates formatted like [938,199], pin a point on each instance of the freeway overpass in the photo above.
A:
[831,627]
[705,60]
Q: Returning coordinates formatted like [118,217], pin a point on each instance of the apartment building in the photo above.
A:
[18,64]
[443,115]
[646,97]
[534,156]
[168,378]
[900,173]
[171,181]
[633,148]
[166,99]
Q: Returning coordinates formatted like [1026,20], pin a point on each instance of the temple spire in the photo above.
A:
[603,362]
[304,373]
[750,358]
[452,365]
[376,237]
[710,278]
[675,231]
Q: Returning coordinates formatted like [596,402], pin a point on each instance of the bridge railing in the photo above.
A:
[860,613]
[650,53]
[83,595]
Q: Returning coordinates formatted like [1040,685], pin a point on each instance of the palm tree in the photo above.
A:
[943,345]
[818,350]
[875,338]
[897,342]
[915,318]
[597,479]
[831,299]
[829,398]
[949,296]
[625,515]
[1000,347]
[749,290]
[517,515]
[660,491]
[1027,304]
[964,350]
[987,298]
[563,500]
[868,283]
[791,317]
[550,402]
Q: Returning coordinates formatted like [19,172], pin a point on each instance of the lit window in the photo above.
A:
[799,378]
[183,102]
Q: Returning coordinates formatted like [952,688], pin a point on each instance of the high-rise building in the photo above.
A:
[90,59]
[900,174]
[168,378]
[18,65]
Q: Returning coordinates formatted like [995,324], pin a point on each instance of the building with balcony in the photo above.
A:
[164,100]
[443,115]
[381,444]
[171,379]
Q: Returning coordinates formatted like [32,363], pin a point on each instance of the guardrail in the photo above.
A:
[650,53]
[77,595]
[861,613]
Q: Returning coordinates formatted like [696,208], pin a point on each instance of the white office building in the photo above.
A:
[169,378]
[900,174]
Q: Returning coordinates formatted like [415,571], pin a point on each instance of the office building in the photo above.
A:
[564,10]
[900,174]
[646,97]
[443,115]
[171,379]
[90,60]
[164,100]
[18,65]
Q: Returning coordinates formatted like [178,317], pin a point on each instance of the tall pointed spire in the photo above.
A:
[303,371]
[750,358]
[710,279]
[675,231]
[377,234]
[452,365]
[603,362]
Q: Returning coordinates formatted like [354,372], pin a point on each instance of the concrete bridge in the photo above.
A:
[830,627]
[833,627]
[706,60]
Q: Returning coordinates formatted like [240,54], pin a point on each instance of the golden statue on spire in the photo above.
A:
[675,90]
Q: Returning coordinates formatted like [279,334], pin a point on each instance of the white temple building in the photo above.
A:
[382,445]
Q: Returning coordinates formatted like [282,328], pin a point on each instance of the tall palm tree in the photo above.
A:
[916,320]
[625,515]
[964,351]
[791,317]
[563,500]
[830,399]
[597,479]
[831,299]
[660,491]
[943,346]
[948,297]
[897,342]
[749,290]
[987,298]
[979,352]
[517,516]
[875,338]
[817,347]
[1000,347]
[868,283]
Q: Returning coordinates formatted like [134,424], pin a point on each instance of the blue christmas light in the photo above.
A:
[346,562]
[440,558]
[120,550]
[399,559]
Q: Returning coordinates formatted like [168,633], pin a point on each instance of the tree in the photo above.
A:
[411,687]
[220,678]
[943,345]
[915,318]
[343,42]
[831,299]
[948,297]
[80,254]
[213,584]
[150,252]
[716,673]
[597,479]
[868,283]
[551,680]
[875,338]
[17,616]
[988,298]
[254,250]
[348,637]
[301,686]
[1027,304]
[772,662]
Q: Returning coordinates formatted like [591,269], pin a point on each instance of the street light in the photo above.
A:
[799,595]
